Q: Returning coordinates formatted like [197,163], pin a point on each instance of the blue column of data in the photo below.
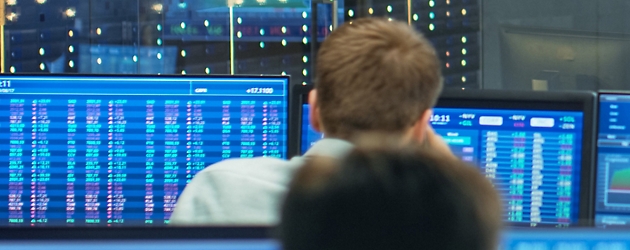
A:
[533,171]
[109,151]
[533,157]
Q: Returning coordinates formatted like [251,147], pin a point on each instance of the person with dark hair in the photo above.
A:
[372,75]
[390,198]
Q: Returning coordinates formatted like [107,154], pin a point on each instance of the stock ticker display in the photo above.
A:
[613,166]
[533,157]
[107,150]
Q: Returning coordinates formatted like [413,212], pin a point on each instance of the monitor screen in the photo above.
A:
[118,150]
[613,161]
[532,156]
[137,238]
[531,149]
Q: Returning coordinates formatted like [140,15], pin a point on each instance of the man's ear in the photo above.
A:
[313,111]
[421,127]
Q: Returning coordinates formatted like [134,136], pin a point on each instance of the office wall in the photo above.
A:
[605,19]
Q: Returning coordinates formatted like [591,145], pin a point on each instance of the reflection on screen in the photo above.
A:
[119,150]
[613,166]
[533,158]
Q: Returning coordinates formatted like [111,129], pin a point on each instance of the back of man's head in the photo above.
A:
[375,75]
[391,199]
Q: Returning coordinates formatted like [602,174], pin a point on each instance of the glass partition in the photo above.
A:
[217,37]
[162,37]
[555,45]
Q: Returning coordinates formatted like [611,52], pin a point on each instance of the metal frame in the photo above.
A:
[298,95]
[315,28]
[133,233]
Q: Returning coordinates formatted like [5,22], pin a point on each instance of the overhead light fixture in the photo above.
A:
[70,12]
[158,7]
[12,16]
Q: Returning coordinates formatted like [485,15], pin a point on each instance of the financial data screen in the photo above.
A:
[113,150]
[613,164]
[533,157]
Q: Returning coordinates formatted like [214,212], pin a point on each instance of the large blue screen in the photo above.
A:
[532,156]
[108,150]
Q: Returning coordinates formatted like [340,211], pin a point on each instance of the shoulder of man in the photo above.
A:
[236,191]
[259,168]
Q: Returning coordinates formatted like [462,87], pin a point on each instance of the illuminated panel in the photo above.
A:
[532,156]
[113,150]
[613,154]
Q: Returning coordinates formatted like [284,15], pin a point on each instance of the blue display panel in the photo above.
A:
[613,164]
[533,157]
[109,150]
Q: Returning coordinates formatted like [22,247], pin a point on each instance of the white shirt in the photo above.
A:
[244,191]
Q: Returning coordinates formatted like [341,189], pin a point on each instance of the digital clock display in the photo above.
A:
[5,84]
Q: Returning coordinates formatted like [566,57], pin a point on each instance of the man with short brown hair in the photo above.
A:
[373,75]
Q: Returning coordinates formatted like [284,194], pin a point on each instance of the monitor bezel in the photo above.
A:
[596,148]
[136,233]
[149,75]
[298,95]
[584,101]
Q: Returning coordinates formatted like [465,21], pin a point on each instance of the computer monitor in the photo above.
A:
[612,195]
[112,150]
[131,238]
[535,146]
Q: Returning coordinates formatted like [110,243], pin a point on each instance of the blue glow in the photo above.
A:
[492,138]
[88,136]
